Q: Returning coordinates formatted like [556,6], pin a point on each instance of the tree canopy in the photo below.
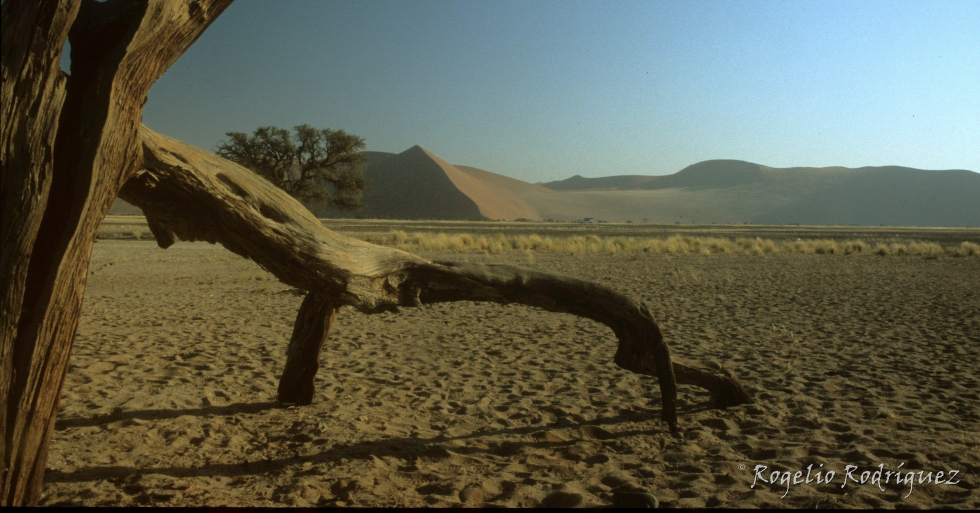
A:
[319,167]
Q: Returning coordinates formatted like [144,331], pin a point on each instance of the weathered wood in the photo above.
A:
[190,194]
[313,322]
[68,144]
[33,36]
[724,387]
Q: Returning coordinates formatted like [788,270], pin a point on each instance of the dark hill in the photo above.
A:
[892,195]
[606,183]
[711,174]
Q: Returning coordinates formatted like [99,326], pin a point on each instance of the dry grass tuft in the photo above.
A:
[967,249]
[674,245]
[127,228]
[123,232]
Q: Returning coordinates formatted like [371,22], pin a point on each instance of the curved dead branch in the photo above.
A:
[189,194]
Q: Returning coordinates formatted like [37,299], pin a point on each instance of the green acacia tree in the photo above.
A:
[320,168]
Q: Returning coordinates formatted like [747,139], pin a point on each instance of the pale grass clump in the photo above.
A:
[499,244]
[927,249]
[618,244]
[799,246]
[884,412]
[766,247]
[652,246]
[899,249]
[533,242]
[856,246]
[720,246]
[574,245]
[430,242]
[521,243]
[677,244]
[496,248]
[612,247]
[825,247]
[545,244]
[123,231]
[757,246]
[578,245]
[967,249]
[594,244]
[440,242]
[459,243]
[398,237]
[745,244]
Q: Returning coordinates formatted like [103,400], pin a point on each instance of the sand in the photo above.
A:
[852,360]
[415,184]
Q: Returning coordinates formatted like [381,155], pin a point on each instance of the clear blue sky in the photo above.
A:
[543,90]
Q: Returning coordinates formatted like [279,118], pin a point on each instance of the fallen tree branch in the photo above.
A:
[189,194]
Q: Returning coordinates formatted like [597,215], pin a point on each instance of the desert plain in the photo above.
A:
[863,365]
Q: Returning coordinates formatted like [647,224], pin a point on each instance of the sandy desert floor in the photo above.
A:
[858,360]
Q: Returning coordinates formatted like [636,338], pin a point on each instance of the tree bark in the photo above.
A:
[313,322]
[68,145]
[189,194]
[33,36]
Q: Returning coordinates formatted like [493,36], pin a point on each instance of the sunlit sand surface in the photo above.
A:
[852,360]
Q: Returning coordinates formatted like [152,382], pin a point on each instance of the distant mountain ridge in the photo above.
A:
[416,184]
[889,195]
[606,183]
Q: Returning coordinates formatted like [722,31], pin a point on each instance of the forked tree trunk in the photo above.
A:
[67,144]
[189,194]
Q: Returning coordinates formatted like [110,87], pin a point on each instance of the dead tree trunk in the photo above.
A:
[67,145]
[189,194]
[313,322]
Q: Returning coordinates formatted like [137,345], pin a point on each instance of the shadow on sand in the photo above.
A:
[408,449]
